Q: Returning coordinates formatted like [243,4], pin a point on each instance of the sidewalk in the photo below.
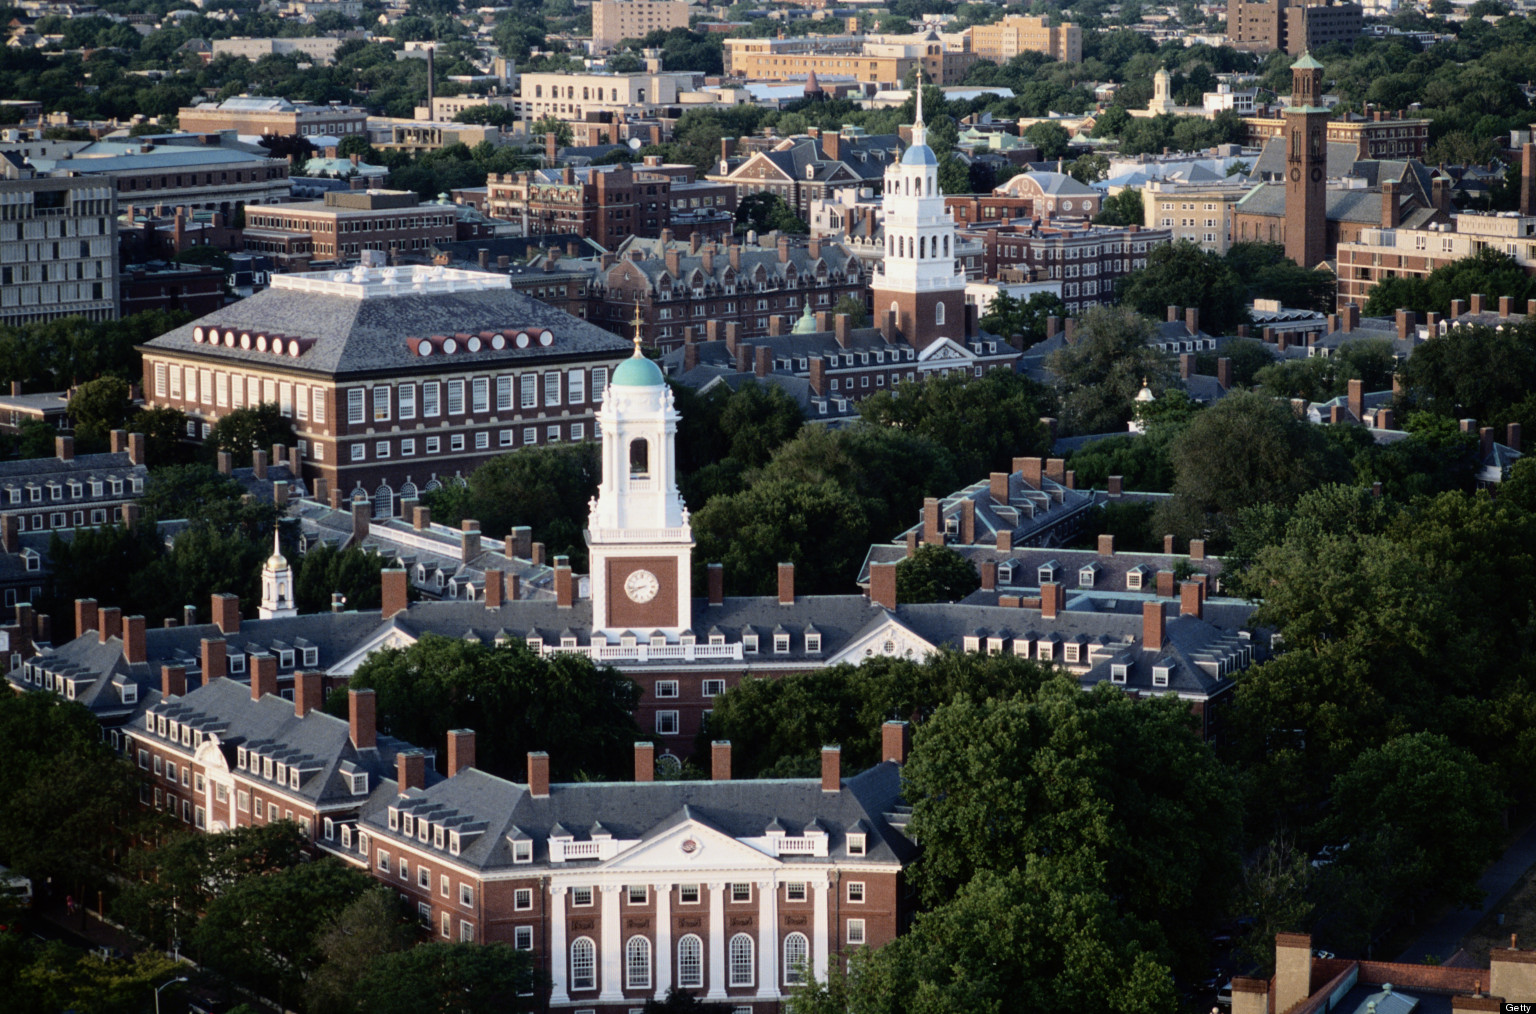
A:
[1444,937]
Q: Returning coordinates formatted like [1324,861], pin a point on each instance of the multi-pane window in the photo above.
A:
[855,892]
[480,394]
[690,962]
[856,931]
[741,892]
[796,950]
[406,398]
[583,964]
[522,938]
[430,395]
[575,386]
[355,407]
[504,394]
[637,963]
[455,397]
[318,412]
[599,382]
[528,391]
[522,899]
[552,388]
[741,963]
[381,403]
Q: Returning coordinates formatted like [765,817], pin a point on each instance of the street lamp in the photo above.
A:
[159,988]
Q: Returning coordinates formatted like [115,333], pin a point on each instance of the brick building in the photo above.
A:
[392,376]
[610,203]
[1382,135]
[345,224]
[802,170]
[880,60]
[246,114]
[1086,259]
[1295,26]
[69,490]
[195,288]
[680,285]
[1200,211]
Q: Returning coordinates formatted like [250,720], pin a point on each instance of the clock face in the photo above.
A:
[641,586]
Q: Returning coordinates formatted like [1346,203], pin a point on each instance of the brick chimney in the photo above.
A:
[1512,436]
[362,726]
[85,616]
[111,623]
[135,648]
[715,574]
[1528,179]
[786,584]
[1056,470]
[842,329]
[173,680]
[1391,209]
[213,660]
[1190,599]
[783,249]
[395,593]
[933,522]
[895,741]
[645,761]
[1485,438]
[136,449]
[988,572]
[1192,319]
[1032,469]
[720,760]
[1407,324]
[64,447]
[565,591]
[743,354]
[1186,365]
[997,487]
[259,464]
[882,585]
[495,584]
[10,533]
[1174,313]
[1106,545]
[764,365]
[1293,969]
[362,514]
[831,769]
[1197,549]
[1115,485]
[1152,626]
[461,750]
[469,540]
[308,692]
[225,610]
[410,770]
[263,676]
[1050,600]
[1458,307]
[1224,373]
[1357,398]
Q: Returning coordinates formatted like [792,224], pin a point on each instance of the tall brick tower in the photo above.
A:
[1306,165]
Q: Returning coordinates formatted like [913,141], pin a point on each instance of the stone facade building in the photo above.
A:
[245,114]
[613,21]
[1006,38]
[58,245]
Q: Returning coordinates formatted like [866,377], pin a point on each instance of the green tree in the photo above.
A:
[984,422]
[954,175]
[820,527]
[1475,372]
[1247,449]
[1182,274]
[1050,137]
[98,407]
[502,116]
[354,572]
[935,574]
[164,429]
[463,978]
[853,306]
[1076,782]
[263,931]
[515,700]
[1007,316]
[376,924]
[1124,208]
[1098,376]
[1274,893]
[1089,169]
[246,430]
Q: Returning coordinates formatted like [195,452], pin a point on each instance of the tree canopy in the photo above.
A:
[1098,375]
[1182,274]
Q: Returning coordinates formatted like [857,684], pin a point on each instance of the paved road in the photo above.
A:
[1444,937]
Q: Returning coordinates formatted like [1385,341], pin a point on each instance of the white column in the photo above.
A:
[612,956]
[716,942]
[662,955]
[767,939]
[559,956]
[819,930]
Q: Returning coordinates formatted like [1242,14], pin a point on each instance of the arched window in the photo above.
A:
[409,491]
[796,953]
[433,485]
[922,247]
[938,314]
[946,246]
[384,501]
[741,950]
[583,963]
[639,458]
[637,963]
[690,962]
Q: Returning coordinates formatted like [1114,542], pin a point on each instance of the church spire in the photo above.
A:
[919,132]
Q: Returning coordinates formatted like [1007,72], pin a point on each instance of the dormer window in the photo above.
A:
[285,659]
[780,644]
[1118,671]
[293,778]
[311,656]
[522,851]
[1160,674]
[359,783]
[856,844]
[749,644]
[812,644]
[437,836]
[394,820]
[1071,652]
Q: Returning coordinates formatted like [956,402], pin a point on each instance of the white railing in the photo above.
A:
[812,846]
[650,653]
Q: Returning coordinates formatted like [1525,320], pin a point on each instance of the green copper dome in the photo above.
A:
[637,371]
[807,322]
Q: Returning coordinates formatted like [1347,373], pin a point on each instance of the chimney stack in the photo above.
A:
[1152,626]
[173,680]
[1197,549]
[1050,599]
[111,623]
[882,585]
[895,741]
[786,584]
[1224,373]
[308,692]
[410,770]
[720,760]
[421,518]
[396,596]
[1512,436]
[64,447]
[1106,545]
[1356,398]
[214,662]
[645,761]
[362,727]
[135,647]
[565,590]
[495,584]
[831,769]
[716,581]
[362,514]
[263,676]
[1192,319]
[1190,599]
[226,613]
[461,750]
[1528,179]
[259,464]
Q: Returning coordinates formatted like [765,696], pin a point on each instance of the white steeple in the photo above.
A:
[277,595]
[919,232]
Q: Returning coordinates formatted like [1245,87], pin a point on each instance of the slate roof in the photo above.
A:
[1020,568]
[639,811]
[839,260]
[1360,206]
[1271,161]
[355,335]
[319,745]
[41,471]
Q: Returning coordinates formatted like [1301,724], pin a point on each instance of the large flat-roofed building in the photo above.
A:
[613,21]
[1003,40]
[58,245]
[1201,211]
[1292,25]
[871,59]
[345,224]
[1379,136]
[391,376]
[573,96]
[320,48]
[247,114]
[199,177]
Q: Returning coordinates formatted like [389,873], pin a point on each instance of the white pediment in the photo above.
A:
[692,844]
[890,639]
[944,349]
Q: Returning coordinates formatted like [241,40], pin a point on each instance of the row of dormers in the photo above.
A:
[781,640]
[76,488]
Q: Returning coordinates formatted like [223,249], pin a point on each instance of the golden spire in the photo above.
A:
[637,323]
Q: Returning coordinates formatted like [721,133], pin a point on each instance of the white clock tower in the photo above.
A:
[919,285]
[640,544]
